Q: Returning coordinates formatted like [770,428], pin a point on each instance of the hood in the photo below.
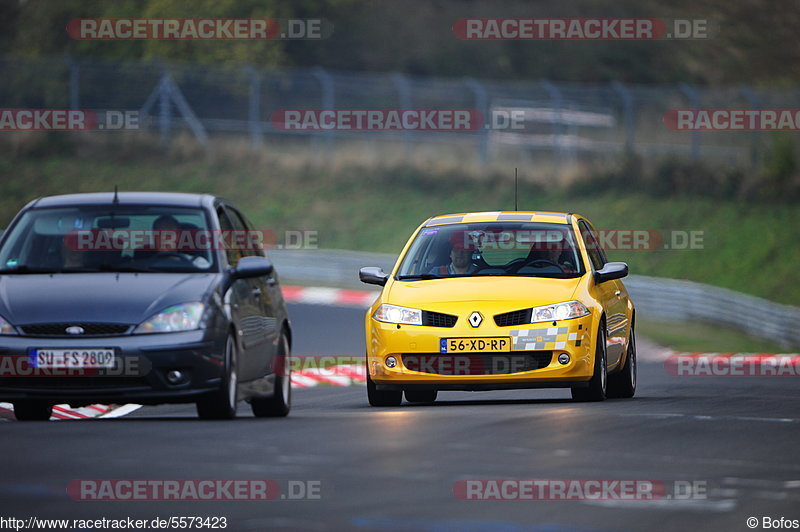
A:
[514,291]
[127,298]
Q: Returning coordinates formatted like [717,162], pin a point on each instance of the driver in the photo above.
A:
[162,226]
[546,253]
[461,249]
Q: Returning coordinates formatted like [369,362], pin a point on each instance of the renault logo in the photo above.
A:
[75,330]
[475,319]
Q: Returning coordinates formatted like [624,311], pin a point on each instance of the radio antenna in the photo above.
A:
[116,194]
[516,180]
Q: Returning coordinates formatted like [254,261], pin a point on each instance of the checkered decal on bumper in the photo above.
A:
[542,338]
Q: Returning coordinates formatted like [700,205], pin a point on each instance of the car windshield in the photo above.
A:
[109,239]
[492,249]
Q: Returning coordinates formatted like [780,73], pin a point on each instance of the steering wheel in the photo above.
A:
[542,263]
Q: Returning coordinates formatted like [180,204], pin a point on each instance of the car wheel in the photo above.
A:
[32,411]
[596,391]
[421,396]
[382,397]
[623,383]
[222,403]
[281,402]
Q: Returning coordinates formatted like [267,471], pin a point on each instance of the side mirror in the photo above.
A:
[373,275]
[612,270]
[249,267]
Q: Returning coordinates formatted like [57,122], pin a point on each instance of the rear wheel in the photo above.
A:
[596,391]
[222,403]
[421,396]
[623,384]
[382,397]
[32,411]
[281,402]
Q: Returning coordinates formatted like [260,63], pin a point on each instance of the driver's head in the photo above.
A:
[461,248]
[546,250]
[165,231]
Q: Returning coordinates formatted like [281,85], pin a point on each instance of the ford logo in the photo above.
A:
[75,330]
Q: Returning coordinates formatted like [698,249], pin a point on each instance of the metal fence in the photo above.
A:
[657,298]
[570,123]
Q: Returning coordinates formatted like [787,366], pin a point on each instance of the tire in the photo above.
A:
[596,391]
[421,396]
[32,411]
[281,401]
[222,403]
[384,397]
[623,383]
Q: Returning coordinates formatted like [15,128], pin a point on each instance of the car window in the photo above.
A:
[232,253]
[590,240]
[492,248]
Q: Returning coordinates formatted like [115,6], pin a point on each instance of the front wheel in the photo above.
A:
[596,391]
[32,411]
[222,403]
[281,402]
[623,384]
[382,397]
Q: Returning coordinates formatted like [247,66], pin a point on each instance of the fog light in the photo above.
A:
[174,376]
[563,358]
[391,362]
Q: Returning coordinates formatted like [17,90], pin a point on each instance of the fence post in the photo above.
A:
[694,99]
[482,106]
[555,97]
[404,95]
[328,100]
[755,102]
[254,108]
[627,106]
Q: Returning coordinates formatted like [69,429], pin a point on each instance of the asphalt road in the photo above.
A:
[394,469]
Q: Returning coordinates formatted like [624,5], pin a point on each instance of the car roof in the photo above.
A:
[501,216]
[175,199]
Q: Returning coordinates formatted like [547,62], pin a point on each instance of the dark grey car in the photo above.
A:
[142,298]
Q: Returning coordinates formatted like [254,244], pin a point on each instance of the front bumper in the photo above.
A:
[573,337]
[139,376]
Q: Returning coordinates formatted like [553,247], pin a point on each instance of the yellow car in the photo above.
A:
[500,300]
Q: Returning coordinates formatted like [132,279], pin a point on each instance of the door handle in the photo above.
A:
[271,281]
[617,293]
[256,292]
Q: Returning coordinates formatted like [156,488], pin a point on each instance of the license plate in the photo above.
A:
[474,345]
[89,358]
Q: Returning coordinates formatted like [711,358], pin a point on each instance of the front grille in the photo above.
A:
[477,363]
[60,329]
[437,319]
[509,319]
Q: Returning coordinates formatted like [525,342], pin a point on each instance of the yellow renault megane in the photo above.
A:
[500,300]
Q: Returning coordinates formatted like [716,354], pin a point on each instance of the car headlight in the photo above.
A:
[395,314]
[6,328]
[559,311]
[185,317]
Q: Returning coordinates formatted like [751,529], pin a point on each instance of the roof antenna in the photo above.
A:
[516,180]
[116,195]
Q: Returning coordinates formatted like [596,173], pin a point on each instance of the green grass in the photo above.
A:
[375,205]
[703,338]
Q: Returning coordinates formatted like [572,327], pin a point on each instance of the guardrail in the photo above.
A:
[664,299]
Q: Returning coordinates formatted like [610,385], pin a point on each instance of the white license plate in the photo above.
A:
[72,358]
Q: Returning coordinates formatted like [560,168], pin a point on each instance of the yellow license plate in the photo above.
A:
[475,345]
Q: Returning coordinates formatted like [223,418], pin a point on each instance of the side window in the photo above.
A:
[246,237]
[596,254]
[227,227]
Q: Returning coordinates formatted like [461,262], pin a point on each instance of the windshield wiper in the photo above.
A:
[23,268]
[419,277]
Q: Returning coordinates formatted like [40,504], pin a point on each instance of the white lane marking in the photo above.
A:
[698,505]
[124,410]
